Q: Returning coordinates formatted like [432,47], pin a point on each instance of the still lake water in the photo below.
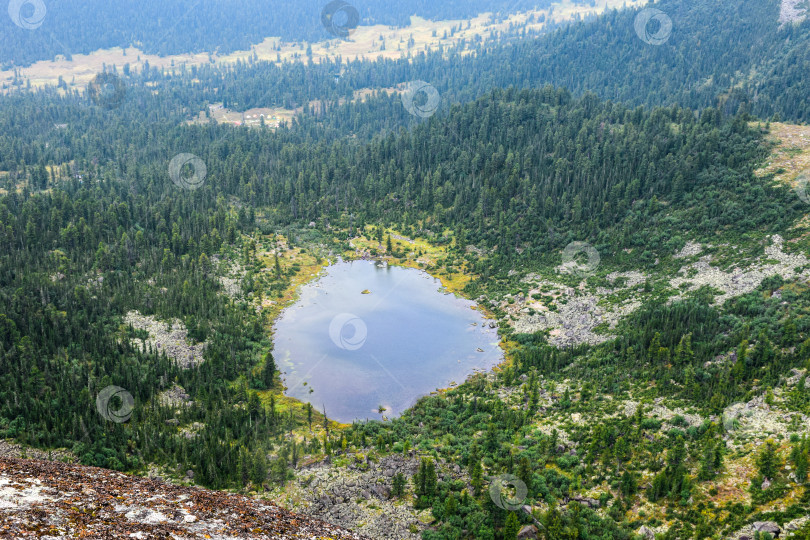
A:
[352,352]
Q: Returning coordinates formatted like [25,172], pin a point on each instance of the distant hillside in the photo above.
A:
[730,55]
[66,28]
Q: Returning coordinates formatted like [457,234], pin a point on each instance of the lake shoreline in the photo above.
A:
[446,288]
[489,316]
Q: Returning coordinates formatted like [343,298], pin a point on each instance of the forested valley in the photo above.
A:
[584,134]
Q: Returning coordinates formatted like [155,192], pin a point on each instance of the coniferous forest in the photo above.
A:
[584,133]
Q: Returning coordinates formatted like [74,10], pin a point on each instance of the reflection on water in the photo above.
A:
[352,352]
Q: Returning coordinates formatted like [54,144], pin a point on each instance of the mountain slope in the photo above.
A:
[44,497]
[723,54]
[181,26]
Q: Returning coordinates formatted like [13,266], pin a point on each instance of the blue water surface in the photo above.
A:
[352,352]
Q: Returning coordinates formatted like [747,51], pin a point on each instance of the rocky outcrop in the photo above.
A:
[358,496]
[767,527]
[748,421]
[529,532]
[41,498]
[574,316]
[738,281]
[785,531]
[10,449]
[175,397]
[792,11]
[170,338]
[231,274]
[691,249]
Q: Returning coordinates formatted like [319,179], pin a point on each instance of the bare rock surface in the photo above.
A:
[175,396]
[744,421]
[691,249]
[665,414]
[231,275]
[792,11]
[56,500]
[577,313]
[359,497]
[10,449]
[736,281]
[574,316]
[170,338]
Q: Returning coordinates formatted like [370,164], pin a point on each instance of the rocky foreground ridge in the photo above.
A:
[53,500]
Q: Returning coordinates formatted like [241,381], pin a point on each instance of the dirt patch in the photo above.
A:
[270,117]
